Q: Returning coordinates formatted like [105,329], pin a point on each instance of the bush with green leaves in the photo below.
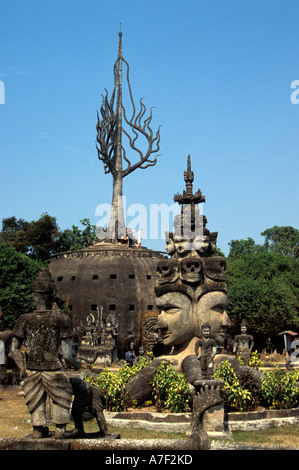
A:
[113,383]
[236,397]
[254,361]
[171,389]
[279,389]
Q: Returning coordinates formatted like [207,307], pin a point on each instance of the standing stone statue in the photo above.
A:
[47,333]
[243,344]
[205,349]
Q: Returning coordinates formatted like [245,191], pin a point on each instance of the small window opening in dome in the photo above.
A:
[112,307]
[131,276]
[148,276]
[132,307]
[59,279]
[113,276]
[95,276]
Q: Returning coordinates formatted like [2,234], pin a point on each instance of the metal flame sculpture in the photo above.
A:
[109,144]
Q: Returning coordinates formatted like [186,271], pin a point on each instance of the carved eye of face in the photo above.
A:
[220,308]
[170,309]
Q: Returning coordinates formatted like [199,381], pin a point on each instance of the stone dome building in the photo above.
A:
[105,279]
[110,281]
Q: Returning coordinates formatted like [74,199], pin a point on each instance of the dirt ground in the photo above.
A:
[15,423]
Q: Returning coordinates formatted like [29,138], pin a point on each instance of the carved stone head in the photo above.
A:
[43,290]
[196,295]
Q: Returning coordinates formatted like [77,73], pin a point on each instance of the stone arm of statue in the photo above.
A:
[17,356]
[197,349]
[251,344]
[66,349]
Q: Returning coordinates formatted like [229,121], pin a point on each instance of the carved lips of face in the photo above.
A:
[175,319]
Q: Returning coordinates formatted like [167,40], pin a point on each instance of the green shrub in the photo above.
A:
[236,398]
[171,389]
[254,361]
[113,383]
[279,389]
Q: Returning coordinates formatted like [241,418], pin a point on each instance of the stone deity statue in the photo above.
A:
[205,349]
[47,333]
[191,290]
[243,344]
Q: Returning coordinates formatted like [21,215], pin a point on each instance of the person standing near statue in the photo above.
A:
[47,334]
[243,344]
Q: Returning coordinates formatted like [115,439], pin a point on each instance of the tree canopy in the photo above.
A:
[17,273]
[41,238]
[263,282]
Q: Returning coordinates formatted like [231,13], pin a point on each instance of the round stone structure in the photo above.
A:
[108,278]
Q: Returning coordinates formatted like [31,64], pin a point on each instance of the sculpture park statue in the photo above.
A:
[191,291]
[243,344]
[46,332]
[205,349]
[89,397]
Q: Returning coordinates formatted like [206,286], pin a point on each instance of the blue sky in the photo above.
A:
[219,74]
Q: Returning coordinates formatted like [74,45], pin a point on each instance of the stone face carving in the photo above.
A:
[191,287]
[46,333]
[190,291]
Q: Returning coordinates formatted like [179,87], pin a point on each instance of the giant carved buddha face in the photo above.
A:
[187,300]
[175,319]
[211,308]
[181,318]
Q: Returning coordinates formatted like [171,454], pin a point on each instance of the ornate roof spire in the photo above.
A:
[188,197]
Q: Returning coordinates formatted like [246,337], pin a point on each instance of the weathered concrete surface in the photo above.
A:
[181,422]
[136,445]
[97,444]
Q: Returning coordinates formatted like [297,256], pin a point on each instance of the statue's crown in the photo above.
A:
[44,283]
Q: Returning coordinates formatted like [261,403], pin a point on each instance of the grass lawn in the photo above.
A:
[14,423]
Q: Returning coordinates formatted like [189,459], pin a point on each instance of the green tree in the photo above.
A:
[239,248]
[76,239]
[17,273]
[283,239]
[263,288]
[38,239]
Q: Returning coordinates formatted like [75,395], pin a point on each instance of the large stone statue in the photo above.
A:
[194,294]
[191,291]
[46,333]
[243,344]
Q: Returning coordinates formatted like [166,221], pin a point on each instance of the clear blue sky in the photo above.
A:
[218,73]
